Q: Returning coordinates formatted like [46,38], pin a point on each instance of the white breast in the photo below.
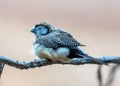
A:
[62,52]
[59,54]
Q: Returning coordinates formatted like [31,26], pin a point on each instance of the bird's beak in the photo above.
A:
[32,30]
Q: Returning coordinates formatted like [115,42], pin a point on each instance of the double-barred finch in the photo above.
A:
[56,45]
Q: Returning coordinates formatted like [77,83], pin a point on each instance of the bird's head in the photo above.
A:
[42,29]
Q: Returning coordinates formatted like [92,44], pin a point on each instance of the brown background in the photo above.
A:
[94,23]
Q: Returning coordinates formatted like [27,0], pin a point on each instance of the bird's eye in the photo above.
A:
[42,30]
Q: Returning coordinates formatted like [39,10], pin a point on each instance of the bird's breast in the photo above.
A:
[59,54]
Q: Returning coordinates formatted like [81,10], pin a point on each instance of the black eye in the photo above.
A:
[42,30]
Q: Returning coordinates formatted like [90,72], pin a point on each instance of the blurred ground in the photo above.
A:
[94,23]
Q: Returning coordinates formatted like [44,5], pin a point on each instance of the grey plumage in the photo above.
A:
[57,39]
[50,43]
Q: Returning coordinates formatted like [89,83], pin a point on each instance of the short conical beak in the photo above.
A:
[32,30]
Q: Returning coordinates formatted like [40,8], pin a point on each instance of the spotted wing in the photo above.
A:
[58,39]
[64,39]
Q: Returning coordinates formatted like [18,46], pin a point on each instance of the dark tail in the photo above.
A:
[92,59]
[77,53]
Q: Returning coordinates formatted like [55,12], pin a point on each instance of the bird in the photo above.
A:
[56,45]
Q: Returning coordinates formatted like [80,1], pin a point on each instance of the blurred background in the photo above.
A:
[94,23]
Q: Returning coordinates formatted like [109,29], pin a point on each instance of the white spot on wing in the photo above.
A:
[62,52]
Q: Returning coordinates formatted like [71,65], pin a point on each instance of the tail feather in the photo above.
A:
[78,53]
[93,59]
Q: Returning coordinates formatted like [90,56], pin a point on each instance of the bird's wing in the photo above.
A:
[57,39]
[64,39]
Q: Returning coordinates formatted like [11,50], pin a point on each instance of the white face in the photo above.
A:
[40,30]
